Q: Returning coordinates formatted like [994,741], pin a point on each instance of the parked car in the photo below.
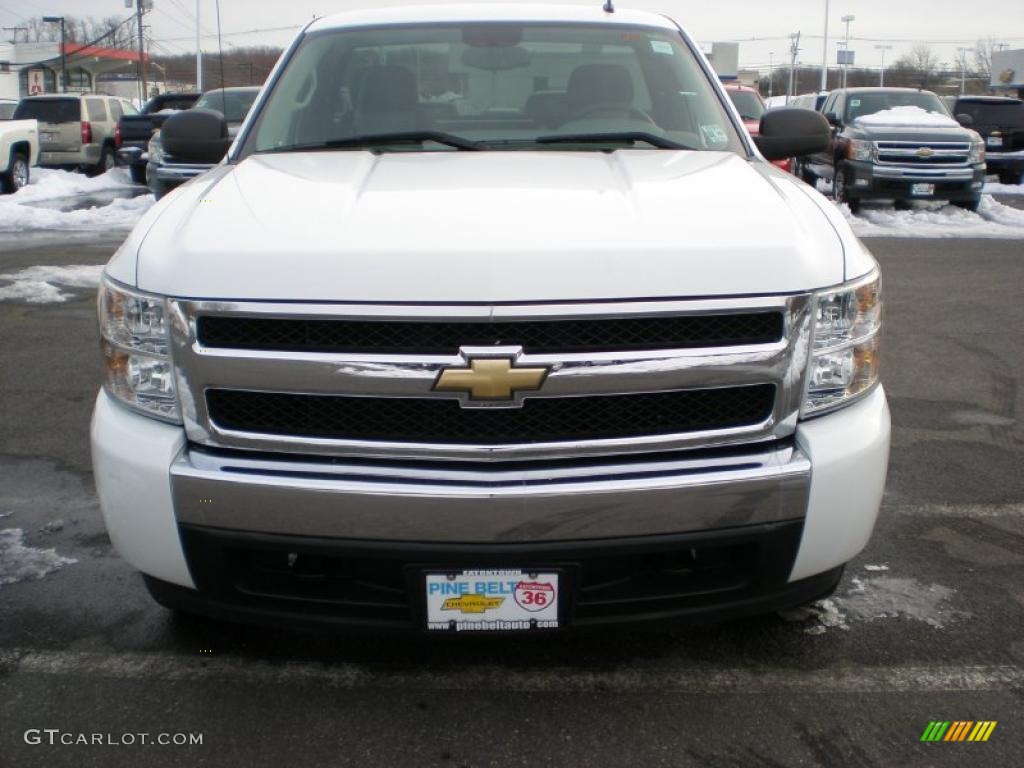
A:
[134,132]
[751,106]
[164,171]
[410,368]
[19,151]
[1000,121]
[76,131]
[809,100]
[898,144]
[7,107]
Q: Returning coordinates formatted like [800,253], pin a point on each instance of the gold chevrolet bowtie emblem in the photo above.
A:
[925,152]
[490,379]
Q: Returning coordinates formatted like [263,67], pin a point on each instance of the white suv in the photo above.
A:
[462,335]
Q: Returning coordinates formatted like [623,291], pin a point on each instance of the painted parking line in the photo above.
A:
[666,679]
[957,510]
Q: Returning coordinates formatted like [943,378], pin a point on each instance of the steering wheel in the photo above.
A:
[624,109]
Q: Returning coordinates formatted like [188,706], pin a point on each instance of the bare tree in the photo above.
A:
[920,67]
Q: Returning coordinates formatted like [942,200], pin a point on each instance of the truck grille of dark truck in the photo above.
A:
[540,420]
[380,584]
[906,153]
[536,337]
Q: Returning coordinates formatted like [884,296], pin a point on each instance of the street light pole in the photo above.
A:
[881,74]
[824,56]
[199,55]
[846,46]
[963,69]
[63,50]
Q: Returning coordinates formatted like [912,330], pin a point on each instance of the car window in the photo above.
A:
[49,110]
[870,102]
[174,104]
[830,103]
[748,104]
[503,85]
[97,110]
[234,105]
[7,111]
[1001,114]
[129,108]
[115,109]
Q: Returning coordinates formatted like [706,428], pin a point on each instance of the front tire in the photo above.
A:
[968,205]
[1011,178]
[17,177]
[107,162]
[138,173]
[840,192]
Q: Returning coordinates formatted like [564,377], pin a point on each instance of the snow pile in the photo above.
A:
[26,209]
[50,183]
[993,220]
[909,115]
[19,562]
[995,188]
[39,285]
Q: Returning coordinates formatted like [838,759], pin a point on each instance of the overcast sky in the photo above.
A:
[945,23]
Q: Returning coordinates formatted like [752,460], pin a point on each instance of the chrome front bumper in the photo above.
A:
[420,502]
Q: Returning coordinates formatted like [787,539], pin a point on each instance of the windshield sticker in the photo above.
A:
[662,46]
[714,136]
[854,102]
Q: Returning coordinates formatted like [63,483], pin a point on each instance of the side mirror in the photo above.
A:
[789,132]
[196,136]
[965,120]
[833,120]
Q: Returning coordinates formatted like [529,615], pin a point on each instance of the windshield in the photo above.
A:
[493,86]
[7,111]
[861,104]
[49,110]
[748,104]
[1006,114]
[234,105]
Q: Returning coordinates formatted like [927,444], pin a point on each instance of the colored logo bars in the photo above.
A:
[958,730]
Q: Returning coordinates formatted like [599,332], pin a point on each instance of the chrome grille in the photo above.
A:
[929,154]
[310,401]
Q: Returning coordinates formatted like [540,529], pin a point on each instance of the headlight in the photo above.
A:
[137,367]
[861,150]
[845,345]
[977,154]
[155,149]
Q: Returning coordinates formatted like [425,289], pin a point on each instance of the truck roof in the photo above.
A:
[593,12]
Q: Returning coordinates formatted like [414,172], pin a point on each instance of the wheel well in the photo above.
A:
[19,148]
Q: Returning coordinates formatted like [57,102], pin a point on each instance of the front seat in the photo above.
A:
[594,85]
[388,101]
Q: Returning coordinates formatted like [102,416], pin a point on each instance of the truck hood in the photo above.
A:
[923,134]
[487,227]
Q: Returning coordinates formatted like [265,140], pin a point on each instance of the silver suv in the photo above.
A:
[76,131]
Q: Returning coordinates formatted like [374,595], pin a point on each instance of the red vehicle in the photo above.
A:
[750,105]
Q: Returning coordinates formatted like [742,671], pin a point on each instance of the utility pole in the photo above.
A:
[846,46]
[199,55]
[794,50]
[63,50]
[881,74]
[144,95]
[14,33]
[824,55]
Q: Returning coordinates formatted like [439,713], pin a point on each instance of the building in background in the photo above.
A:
[32,69]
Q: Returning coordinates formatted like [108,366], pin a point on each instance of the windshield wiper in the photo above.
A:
[384,139]
[624,137]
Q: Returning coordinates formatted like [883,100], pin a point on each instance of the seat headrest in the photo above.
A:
[388,88]
[591,84]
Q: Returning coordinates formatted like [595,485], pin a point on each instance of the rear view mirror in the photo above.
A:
[965,120]
[790,132]
[833,119]
[196,136]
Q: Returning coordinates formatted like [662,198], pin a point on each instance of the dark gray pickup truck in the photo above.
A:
[898,144]
[135,131]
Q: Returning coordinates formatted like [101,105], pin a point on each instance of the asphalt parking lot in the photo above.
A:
[927,624]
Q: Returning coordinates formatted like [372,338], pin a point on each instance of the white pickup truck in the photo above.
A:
[19,151]
[494,318]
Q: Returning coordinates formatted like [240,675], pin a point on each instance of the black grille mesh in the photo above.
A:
[540,420]
[548,336]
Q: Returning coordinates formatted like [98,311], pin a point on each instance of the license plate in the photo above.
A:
[508,600]
[922,190]
[47,136]
[994,142]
